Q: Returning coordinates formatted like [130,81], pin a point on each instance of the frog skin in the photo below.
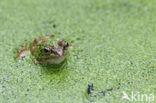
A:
[58,53]
[52,54]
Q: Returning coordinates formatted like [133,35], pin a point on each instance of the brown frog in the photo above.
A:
[46,53]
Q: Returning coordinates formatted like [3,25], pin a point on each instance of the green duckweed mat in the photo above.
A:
[114,47]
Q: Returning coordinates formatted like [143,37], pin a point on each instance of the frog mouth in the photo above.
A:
[55,59]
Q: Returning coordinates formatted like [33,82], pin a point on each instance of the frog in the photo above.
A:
[46,51]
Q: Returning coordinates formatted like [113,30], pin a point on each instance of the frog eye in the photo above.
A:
[47,49]
[66,45]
